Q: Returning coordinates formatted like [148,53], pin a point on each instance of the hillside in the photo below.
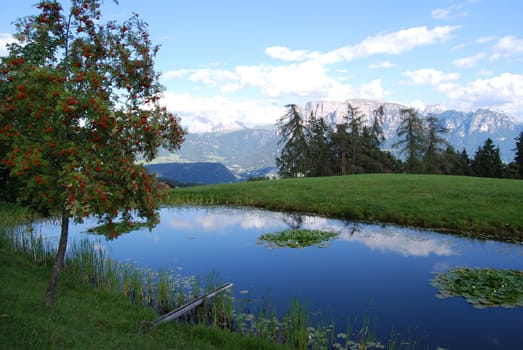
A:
[193,173]
[252,151]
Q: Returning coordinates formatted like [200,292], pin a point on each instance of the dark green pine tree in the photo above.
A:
[340,147]
[518,159]
[354,120]
[292,159]
[412,139]
[318,147]
[435,146]
[487,161]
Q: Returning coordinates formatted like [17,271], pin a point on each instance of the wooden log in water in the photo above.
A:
[182,310]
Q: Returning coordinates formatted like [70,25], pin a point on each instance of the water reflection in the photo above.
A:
[377,270]
[404,243]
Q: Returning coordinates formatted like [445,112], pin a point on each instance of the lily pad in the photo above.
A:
[297,238]
[482,288]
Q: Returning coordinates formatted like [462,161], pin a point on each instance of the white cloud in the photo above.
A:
[5,39]
[379,65]
[176,74]
[502,92]
[485,39]
[430,76]
[460,46]
[254,111]
[304,79]
[508,46]
[392,43]
[212,76]
[469,62]
[486,73]
[373,90]
[419,105]
[455,10]
[286,54]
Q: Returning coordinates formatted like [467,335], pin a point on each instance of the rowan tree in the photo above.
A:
[80,104]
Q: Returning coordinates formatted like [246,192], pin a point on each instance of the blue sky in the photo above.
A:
[244,60]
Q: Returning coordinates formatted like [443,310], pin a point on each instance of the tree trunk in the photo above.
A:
[58,262]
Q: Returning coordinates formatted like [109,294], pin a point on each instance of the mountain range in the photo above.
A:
[248,151]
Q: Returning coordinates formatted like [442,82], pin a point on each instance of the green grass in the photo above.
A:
[478,207]
[85,318]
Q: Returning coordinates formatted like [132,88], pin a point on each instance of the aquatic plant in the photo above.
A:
[482,288]
[297,238]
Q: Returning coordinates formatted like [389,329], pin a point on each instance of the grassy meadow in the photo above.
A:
[472,206]
[91,318]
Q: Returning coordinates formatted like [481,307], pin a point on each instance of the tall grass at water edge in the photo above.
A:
[89,266]
[476,207]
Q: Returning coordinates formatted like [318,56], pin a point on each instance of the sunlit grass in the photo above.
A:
[89,272]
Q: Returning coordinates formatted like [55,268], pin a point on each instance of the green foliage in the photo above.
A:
[482,288]
[487,161]
[518,158]
[84,318]
[477,207]
[296,238]
[115,229]
[312,148]
[291,161]
[435,145]
[80,102]
[412,139]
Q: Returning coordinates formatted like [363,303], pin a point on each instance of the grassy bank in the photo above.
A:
[478,207]
[88,318]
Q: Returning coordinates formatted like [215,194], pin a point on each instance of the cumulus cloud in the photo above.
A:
[506,47]
[503,92]
[176,74]
[286,54]
[391,43]
[212,77]
[430,76]
[502,88]
[5,39]
[301,79]
[255,111]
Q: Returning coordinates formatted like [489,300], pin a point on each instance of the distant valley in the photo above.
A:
[248,152]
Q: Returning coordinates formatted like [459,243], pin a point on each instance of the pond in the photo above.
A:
[379,273]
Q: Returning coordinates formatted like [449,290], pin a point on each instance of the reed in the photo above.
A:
[90,266]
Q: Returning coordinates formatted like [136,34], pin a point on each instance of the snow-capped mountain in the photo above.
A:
[466,130]
[247,148]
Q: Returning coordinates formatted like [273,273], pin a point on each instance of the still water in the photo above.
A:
[377,272]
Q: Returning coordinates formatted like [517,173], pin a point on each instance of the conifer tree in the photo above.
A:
[487,161]
[435,145]
[292,159]
[412,138]
[518,158]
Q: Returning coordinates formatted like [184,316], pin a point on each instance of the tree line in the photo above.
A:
[310,147]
